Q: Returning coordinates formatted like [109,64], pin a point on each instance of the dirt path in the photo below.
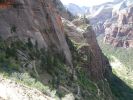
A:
[11,90]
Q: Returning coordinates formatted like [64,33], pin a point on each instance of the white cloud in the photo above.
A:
[85,2]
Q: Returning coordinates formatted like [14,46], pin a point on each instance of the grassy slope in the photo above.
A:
[125,55]
[122,66]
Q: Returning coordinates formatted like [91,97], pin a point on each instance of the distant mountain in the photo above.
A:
[105,12]
[112,7]
[116,5]
[99,14]
[76,10]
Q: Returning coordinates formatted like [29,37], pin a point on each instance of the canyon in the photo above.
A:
[44,46]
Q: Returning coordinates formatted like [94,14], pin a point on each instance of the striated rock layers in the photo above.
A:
[35,19]
[39,20]
[84,35]
[97,66]
[120,34]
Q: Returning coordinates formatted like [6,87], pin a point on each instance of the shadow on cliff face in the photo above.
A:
[120,89]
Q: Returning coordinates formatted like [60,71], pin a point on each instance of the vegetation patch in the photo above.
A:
[121,80]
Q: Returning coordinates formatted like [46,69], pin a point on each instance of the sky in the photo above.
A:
[85,2]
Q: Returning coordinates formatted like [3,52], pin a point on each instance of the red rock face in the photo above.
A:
[38,20]
[6,4]
[96,67]
[122,20]
[96,64]
[120,34]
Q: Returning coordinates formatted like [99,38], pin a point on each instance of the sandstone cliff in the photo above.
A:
[109,11]
[92,60]
[80,31]
[40,22]
[119,34]
[37,20]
